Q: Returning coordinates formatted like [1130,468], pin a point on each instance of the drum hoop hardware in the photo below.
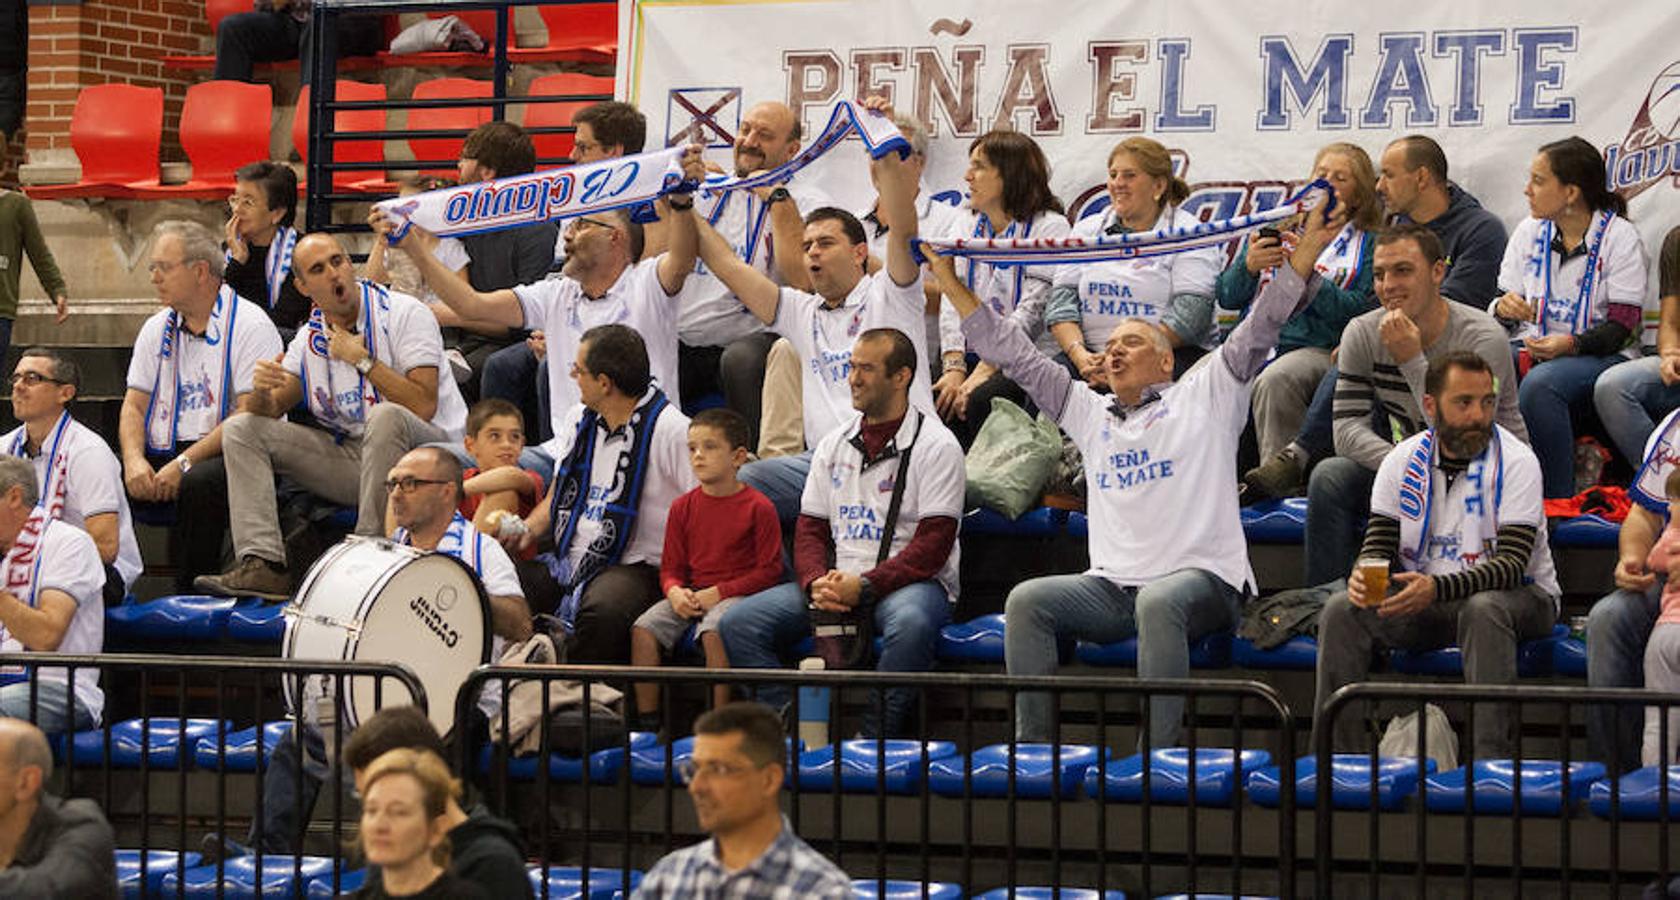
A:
[293,612]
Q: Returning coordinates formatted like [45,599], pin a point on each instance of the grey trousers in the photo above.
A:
[1486,626]
[1662,674]
[353,471]
[1282,391]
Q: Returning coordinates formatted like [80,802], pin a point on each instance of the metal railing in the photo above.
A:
[168,691]
[1058,840]
[1568,850]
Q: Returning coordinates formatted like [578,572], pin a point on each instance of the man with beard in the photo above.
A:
[1381,366]
[1456,514]
[723,344]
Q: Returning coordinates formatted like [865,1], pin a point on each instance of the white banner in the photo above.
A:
[1243,94]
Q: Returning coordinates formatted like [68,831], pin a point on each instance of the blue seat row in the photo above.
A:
[159,744]
[195,617]
[141,874]
[604,765]
[280,876]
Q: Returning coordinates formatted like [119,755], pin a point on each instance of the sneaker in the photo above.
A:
[253,576]
[1283,475]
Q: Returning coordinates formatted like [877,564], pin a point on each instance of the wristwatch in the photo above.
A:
[184,464]
[777,196]
[365,365]
[866,592]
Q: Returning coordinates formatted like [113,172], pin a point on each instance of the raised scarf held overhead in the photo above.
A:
[627,181]
[620,505]
[1133,245]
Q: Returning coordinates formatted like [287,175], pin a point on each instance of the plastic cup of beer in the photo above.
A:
[1374,571]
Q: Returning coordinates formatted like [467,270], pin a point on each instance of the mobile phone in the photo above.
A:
[1269,231]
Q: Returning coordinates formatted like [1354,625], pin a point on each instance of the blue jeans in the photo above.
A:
[1548,395]
[1338,500]
[757,630]
[1165,616]
[51,713]
[1317,435]
[286,783]
[1630,398]
[514,374]
[1618,626]
[782,479]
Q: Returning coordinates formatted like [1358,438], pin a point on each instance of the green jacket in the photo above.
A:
[1321,323]
[20,233]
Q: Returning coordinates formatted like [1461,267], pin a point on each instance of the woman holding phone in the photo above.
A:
[1285,387]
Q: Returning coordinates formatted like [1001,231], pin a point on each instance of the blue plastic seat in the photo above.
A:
[1217,775]
[566,883]
[241,752]
[185,617]
[870,889]
[348,883]
[861,768]
[257,622]
[160,744]
[1276,521]
[980,639]
[1350,781]
[604,765]
[1298,654]
[1545,790]
[1033,771]
[1641,794]
[1569,657]
[1202,896]
[134,884]
[1212,651]
[240,878]
[1036,523]
[1585,531]
[1534,658]
[1045,893]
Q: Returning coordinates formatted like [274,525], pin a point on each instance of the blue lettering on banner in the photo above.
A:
[1328,75]
[1127,469]
[1400,79]
[1469,47]
[1173,116]
[1538,70]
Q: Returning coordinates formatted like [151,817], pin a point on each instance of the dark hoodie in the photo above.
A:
[1475,243]
[486,851]
[67,851]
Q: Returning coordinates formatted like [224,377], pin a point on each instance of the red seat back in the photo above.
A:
[549,115]
[115,130]
[217,10]
[344,122]
[581,26]
[224,125]
[462,118]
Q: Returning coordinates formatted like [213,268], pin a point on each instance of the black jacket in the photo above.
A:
[486,851]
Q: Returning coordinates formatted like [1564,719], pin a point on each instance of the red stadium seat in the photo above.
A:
[550,115]
[224,125]
[345,121]
[115,131]
[578,32]
[217,10]
[461,118]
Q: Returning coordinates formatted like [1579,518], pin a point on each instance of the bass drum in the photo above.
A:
[370,600]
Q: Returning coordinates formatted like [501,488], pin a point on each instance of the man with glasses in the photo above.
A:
[260,241]
[79,478]
[425,487]
[367,362]
[735,779]
[192,367]
[602,283]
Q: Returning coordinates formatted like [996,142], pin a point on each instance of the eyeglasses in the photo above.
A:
[32,378]
[408,483]
[595,223]
[586,147]
[691,770]
[241,202]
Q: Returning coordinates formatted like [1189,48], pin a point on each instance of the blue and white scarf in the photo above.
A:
[163,434]
[278,266]
[461,540]
[1480,524]
[55,485]
[628,181]
[376,326]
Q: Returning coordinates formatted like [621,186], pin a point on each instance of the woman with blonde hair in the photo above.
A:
[1284,390]
[1174,293]
[405,831]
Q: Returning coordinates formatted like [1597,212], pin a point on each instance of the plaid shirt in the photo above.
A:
[787,870]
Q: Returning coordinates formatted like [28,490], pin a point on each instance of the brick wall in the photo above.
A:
[102,41]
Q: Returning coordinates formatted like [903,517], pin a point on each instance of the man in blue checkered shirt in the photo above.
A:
[735,778]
